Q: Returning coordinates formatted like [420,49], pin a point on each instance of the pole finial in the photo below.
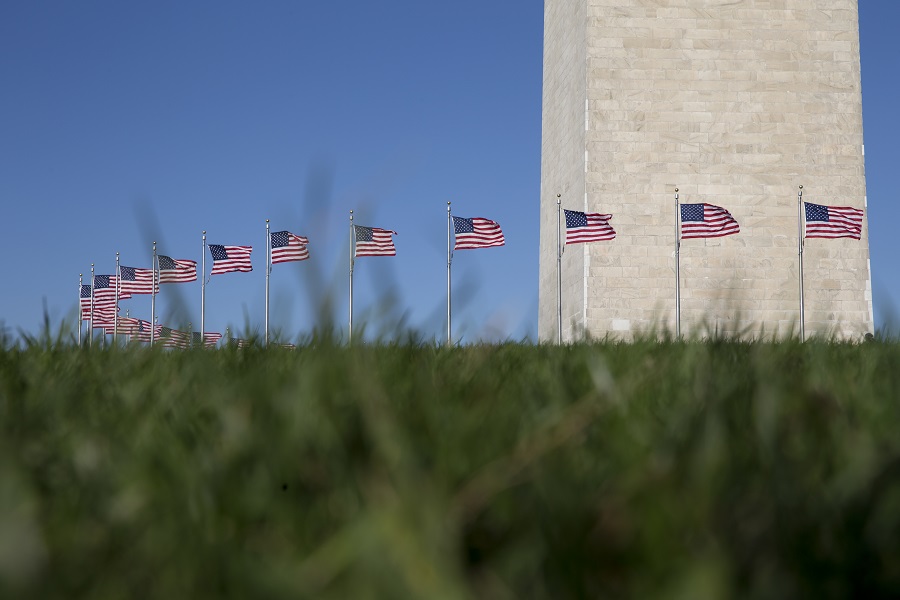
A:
[267,220]
[801,187]
[676,190]
[204,232]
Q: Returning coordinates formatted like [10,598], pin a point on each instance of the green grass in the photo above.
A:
[646,470]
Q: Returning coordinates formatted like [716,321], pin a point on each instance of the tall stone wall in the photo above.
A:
[736,103]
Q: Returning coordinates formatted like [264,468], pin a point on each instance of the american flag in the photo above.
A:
[85,302]
[141,332]
[173,337]
[124,325]
[833,221]
[587,227]
[104,317]
[239,343]
[105,292]
[705,221]
[176,270]
[230,258]
[476,233]
[372,241]
[288,247]
[136,281]
[210,339]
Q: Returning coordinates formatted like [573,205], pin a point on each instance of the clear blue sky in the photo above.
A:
[123,123]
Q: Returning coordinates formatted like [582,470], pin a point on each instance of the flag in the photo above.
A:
[288,247]
[176,271]
[705,221]
[209,339]
[476,233]
[141,332]
[239,343]
[833,221]
[372,241]
[105,293]
[104,317]
[587,227]
[136,281]
[124,325]
[85,302]
[230,258]
[172,337]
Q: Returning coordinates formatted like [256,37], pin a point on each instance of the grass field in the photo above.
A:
[646,470]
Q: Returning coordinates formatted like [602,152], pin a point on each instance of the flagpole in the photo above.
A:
[91,321]
[677,266]
[153,295]
[116,313]
[268,270]
[352,236]
[558,273]
[203,290]
[80,324]
[800,253]
[449,261]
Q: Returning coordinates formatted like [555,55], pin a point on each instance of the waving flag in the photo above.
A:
[85,302]
[372,241]
[176,271]
[587,227]
[172,337]
[287,247]
[141,332]
[476,233]
[105,292]
[227,259]
[833,221]
[123,325]
[135,281]
[210,339]
[705,221]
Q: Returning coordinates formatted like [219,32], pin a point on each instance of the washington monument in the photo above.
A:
[737,103]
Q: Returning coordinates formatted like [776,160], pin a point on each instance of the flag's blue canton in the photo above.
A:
[816,212]
[85,291]
[463,225]
[363,234]
[280,239]
[691,212]
[218,252]
[127,273]
[101,282]
[575,219]
[166,263]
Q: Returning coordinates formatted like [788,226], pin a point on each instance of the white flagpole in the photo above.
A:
[80,324]
[677,266]
[153,295]
[558,273]
[352,240]
[203,290]
[268,270]
[449,260]
[800,253]
[116,313]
